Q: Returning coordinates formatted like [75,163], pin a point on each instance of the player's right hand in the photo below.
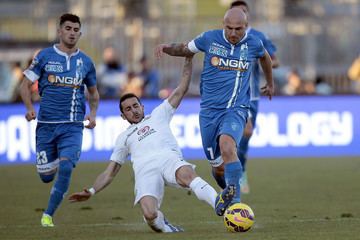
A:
[30,115]
[80,196]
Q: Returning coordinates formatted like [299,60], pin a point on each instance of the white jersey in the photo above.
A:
[149,142]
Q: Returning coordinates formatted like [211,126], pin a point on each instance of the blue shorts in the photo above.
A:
[214,123]
[55,141]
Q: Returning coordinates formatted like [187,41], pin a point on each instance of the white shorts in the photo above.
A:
[151,180]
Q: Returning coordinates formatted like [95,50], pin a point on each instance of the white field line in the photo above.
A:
[137,224]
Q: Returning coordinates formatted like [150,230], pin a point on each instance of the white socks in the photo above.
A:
[204,191]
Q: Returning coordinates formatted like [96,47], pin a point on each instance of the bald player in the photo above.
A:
[230,54]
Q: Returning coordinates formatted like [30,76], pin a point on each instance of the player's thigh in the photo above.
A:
[69,141]
[46,149]
[233,125]
[210,128]
[149,182]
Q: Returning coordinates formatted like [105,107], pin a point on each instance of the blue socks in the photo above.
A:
[233,172]
[60,187]
[242,151]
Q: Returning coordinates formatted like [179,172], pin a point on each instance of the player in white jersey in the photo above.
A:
[156,158]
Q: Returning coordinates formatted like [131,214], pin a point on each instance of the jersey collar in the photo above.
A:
[243,39]
[58,51]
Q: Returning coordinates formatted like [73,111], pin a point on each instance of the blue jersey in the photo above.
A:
[255,75]
[62,79]
[225,78]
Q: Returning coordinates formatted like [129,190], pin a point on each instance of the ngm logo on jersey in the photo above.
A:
[65,81]
[229,64]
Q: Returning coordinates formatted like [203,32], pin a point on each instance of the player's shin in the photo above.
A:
[233,172]
[60,187]
[203,191]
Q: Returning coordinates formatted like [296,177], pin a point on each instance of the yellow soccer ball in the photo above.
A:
[239,217]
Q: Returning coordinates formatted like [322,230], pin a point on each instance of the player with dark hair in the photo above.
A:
[230,54]
[155,156]
[62,72]
[255,94]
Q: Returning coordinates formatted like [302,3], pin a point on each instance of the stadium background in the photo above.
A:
[304,157]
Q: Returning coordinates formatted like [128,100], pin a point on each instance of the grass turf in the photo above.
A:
[292,199]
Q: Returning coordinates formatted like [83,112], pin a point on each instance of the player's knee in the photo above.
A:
[228,150]
[47,178]
[65,168]
[185,175]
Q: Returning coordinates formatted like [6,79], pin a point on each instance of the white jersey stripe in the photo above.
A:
[73,103]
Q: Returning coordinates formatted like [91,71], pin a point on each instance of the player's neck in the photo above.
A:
[68,50]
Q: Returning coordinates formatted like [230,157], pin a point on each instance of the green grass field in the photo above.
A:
[292,199]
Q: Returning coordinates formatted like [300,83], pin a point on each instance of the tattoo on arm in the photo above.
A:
[178,49]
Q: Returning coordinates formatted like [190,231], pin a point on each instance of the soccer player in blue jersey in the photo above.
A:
[254,94]
[230,54]
[62,72]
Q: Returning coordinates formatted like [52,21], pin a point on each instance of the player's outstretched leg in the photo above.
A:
[224,199]
[161,224]
[57,192]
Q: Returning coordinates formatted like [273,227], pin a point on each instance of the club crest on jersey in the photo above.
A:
[244,51]
[144,132]
[65,81]
[230,64]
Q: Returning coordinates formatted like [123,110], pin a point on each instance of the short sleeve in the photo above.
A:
[90,79]
[164,111]
[198,44]
[260,48]
[121,151]
[33,72]
[269,46]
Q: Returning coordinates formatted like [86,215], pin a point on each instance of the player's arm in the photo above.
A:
[266,65]
[93,104]
[25,93]
[173,49]
[179,92]
[101,182]
[275,61]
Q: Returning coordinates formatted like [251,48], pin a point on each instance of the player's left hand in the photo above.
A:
[80,196]
[159,50]
[268,91]
[90,122]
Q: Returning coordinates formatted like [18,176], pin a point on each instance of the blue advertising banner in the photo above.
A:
[286,127]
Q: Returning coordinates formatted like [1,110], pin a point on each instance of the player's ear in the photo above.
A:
[123,116]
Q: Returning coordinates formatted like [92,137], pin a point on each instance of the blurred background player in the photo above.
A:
[255,94]
[62,72]
[224,88]
[156,157]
